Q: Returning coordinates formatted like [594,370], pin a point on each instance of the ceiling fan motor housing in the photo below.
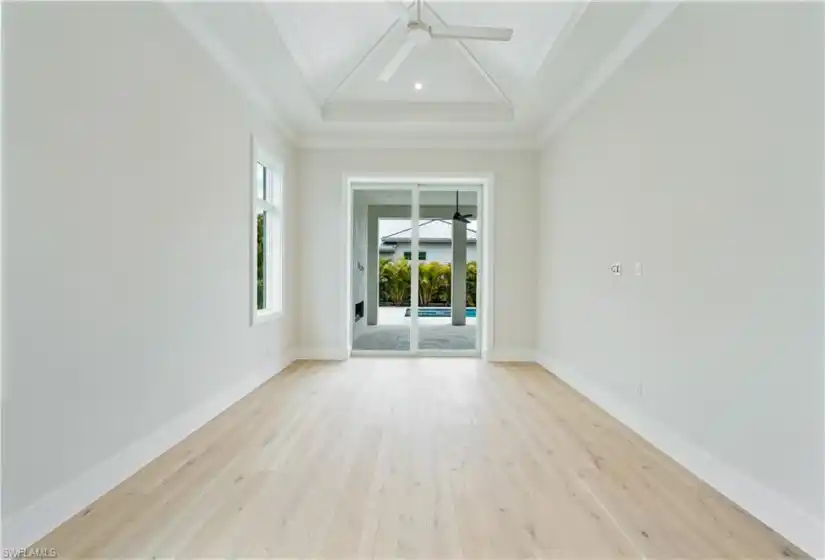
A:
[418,33]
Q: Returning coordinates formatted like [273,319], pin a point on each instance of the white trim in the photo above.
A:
[355,136]
[447,353]
[415,278]
[485,277]
[511,355]
[327,354]
[266,316]
[773,509]
[27,526]
[3,394]
[657,13]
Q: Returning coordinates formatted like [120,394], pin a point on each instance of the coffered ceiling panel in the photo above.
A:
[536,26]
[442,71]
[327,39]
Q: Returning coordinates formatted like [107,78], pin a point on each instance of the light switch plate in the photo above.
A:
[616,269]
[639,269]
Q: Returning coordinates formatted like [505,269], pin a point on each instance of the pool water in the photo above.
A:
[438,312]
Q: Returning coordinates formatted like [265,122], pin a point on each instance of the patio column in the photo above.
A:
[458,310]
[372,266]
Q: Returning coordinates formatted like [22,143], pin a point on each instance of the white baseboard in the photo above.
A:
[334,354]
[798,526]
[511,355]
[29,525]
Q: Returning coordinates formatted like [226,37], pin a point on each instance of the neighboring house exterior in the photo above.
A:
[434,242]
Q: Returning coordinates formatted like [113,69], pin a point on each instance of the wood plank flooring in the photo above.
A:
[404,458]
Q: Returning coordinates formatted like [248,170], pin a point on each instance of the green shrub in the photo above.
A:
[433,279]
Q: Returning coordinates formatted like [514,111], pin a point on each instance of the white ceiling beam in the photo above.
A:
[473,60]
[400,21]
[360,62]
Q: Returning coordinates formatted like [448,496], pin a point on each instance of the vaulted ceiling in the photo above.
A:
[315,66]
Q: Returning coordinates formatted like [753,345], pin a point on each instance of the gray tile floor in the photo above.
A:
[435,337]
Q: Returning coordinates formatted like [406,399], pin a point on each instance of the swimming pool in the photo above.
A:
[438,312]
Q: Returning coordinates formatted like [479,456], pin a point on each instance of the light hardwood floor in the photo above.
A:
[403,458]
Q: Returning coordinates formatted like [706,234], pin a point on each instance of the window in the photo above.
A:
[267,230]
[422,255]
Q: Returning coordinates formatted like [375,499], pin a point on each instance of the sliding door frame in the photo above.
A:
[482,184]
[477,189]
[412,190]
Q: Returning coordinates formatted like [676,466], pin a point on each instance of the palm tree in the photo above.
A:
[432,278]
[395,281]
[472,275]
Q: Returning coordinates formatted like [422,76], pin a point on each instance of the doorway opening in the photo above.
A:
[417,276]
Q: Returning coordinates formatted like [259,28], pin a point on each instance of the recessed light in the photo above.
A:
[419,86]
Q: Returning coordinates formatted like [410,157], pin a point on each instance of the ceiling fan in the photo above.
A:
[420,33]
[458,216]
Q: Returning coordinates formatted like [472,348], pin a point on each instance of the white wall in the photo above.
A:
[127,248]
[323,214]
[701,158]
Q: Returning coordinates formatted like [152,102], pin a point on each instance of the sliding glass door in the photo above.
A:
[382,268]
[448,270]
[414,269]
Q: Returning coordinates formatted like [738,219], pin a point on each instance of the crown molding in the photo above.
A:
[454,137]
[231,67]
[652,18]
[408,112]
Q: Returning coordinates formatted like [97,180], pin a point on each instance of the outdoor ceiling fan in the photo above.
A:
[420,33]
[458,216]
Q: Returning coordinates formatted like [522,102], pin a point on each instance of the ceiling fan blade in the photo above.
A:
[392,66]
[473,33]
[400,9]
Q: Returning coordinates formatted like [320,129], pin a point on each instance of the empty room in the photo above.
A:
[383,279]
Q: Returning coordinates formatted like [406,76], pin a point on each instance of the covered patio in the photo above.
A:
[434,333]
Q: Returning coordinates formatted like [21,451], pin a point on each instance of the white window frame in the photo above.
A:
[273,206]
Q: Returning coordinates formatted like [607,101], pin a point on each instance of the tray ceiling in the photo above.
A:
[316,64]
